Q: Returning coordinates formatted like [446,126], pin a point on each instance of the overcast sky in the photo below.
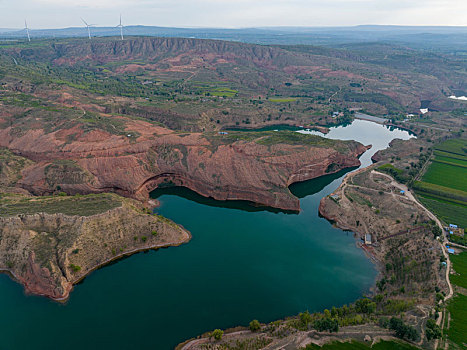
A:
[231,13]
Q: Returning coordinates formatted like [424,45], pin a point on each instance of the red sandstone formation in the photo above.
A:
[213,165]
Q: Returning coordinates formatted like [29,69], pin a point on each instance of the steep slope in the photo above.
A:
[256,167]
[49,244]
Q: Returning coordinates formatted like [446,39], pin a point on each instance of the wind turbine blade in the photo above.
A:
[84,22]
[27,30]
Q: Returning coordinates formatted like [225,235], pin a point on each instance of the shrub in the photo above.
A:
[75,268]
[217,334]
[255,326]
[365,306]
[323,324]
[436,231]
[383,322]
[305,318]
[403,330]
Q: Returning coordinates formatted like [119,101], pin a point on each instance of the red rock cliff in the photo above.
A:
[224,167]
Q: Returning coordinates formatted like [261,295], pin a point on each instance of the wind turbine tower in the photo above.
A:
[121,27]
[88,26]
[27,29]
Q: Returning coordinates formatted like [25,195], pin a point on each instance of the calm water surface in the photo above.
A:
[242,263]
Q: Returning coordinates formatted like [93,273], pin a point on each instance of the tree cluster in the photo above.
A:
[402,330]
[433,331]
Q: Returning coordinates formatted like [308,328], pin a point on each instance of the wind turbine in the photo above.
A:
[121,27]
[27,29]
[88,26]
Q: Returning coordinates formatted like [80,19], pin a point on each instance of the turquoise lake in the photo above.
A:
[243,263]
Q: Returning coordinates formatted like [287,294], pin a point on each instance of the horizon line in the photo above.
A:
[249,27]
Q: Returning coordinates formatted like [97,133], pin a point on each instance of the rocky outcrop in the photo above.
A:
[400,149]
[49,253]
[256,167]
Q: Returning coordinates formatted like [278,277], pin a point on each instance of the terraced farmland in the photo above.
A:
[443,187]
[455,146]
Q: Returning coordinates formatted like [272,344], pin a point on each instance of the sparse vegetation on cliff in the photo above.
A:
[70,236]
[81,205]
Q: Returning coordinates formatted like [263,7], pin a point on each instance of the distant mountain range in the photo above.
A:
[446,39]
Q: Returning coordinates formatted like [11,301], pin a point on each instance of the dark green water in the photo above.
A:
[242,263]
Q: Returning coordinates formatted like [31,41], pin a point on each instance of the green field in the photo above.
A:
[451,160]
[441,192]
[459,264]
[443,187]
[457,331]
[284,99]
[354,345]
[445,210]
[448,175]
[452,156]
[222,92]
[457,307]
[456,146]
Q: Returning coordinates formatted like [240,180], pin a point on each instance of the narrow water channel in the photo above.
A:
[242,263]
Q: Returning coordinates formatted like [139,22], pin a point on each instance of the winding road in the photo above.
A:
[410,196]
